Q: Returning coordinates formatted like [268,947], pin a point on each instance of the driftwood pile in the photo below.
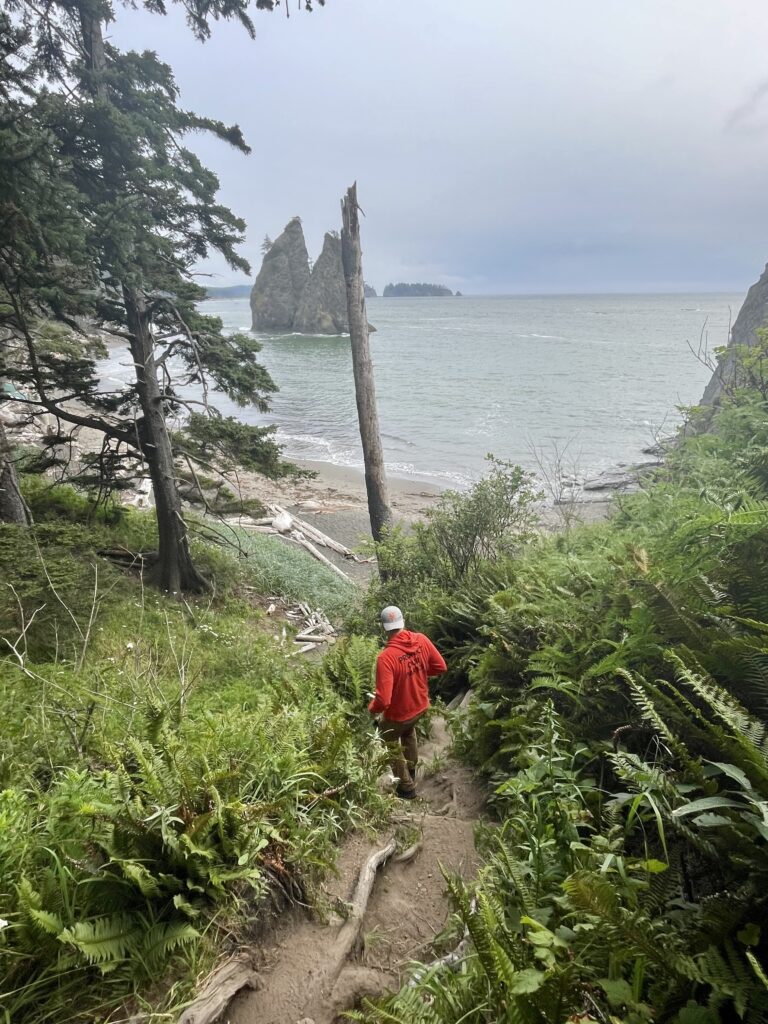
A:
[314,629]
[281,523]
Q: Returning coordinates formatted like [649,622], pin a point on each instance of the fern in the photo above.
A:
[105,940]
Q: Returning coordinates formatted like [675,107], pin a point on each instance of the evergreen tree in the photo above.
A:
[138,211]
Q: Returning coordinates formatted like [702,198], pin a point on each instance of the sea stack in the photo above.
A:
[281,282]
[752,316]
[323,305]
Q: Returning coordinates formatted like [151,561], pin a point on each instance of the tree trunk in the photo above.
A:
[13,508]
[365,393]
[175,571]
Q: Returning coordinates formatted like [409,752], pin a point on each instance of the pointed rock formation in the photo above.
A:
[323,306]
[752,315]
[281,282]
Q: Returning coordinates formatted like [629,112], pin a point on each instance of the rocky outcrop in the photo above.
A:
[370,291]
[286,297]
[752,316]
[281,282]
[323,305]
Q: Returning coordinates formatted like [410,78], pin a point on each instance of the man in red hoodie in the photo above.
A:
[402,694]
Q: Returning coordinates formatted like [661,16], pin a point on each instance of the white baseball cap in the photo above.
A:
[392,618]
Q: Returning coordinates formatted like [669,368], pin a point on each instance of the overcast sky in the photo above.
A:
[499,146]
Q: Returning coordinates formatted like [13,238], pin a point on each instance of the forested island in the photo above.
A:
[421,290]
[235,291]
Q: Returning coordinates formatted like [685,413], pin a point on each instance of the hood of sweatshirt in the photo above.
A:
[405,641]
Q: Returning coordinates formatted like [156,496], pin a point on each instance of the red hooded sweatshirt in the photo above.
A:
[402,671]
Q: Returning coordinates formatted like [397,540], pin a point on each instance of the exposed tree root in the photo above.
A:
[409,854]
[218,991]
[349,933]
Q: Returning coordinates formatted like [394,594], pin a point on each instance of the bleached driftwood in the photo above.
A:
[303,650]
[282,522]
[313,533]
[311,638]
[301,540]
[219,990]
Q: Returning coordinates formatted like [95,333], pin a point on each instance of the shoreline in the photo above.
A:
[336,500]
[334,487]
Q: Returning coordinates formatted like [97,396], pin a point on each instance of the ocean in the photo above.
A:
[597,377]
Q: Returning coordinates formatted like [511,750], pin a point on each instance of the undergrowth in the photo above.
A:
[620,678]
[167,773]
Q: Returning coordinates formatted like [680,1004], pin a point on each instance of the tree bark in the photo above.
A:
[379,510]
[174,571]
[13,508]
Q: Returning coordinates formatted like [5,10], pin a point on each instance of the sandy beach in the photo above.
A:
[335,500]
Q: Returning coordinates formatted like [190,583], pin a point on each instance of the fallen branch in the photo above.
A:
[311,638]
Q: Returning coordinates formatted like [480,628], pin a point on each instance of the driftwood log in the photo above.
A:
[300,539]
[316,535]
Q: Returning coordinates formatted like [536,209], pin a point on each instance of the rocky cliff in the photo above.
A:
[752,315]
[323,305]
[281,282]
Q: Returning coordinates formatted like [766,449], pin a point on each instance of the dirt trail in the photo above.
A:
[300,982]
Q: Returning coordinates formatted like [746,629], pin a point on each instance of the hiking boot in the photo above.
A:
[405,794]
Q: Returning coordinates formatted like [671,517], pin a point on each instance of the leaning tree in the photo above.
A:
[141,212]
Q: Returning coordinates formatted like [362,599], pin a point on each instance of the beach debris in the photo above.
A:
[282,523]
[315,630]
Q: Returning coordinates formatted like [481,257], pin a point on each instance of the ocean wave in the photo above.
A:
[321,449]
[553,337]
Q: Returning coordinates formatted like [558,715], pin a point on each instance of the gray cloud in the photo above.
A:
[499,147]
[742,118]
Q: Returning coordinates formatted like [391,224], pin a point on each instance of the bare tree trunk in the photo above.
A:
[365,393]
[175,571]
[13,508]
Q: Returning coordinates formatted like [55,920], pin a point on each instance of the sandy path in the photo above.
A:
[407,908]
